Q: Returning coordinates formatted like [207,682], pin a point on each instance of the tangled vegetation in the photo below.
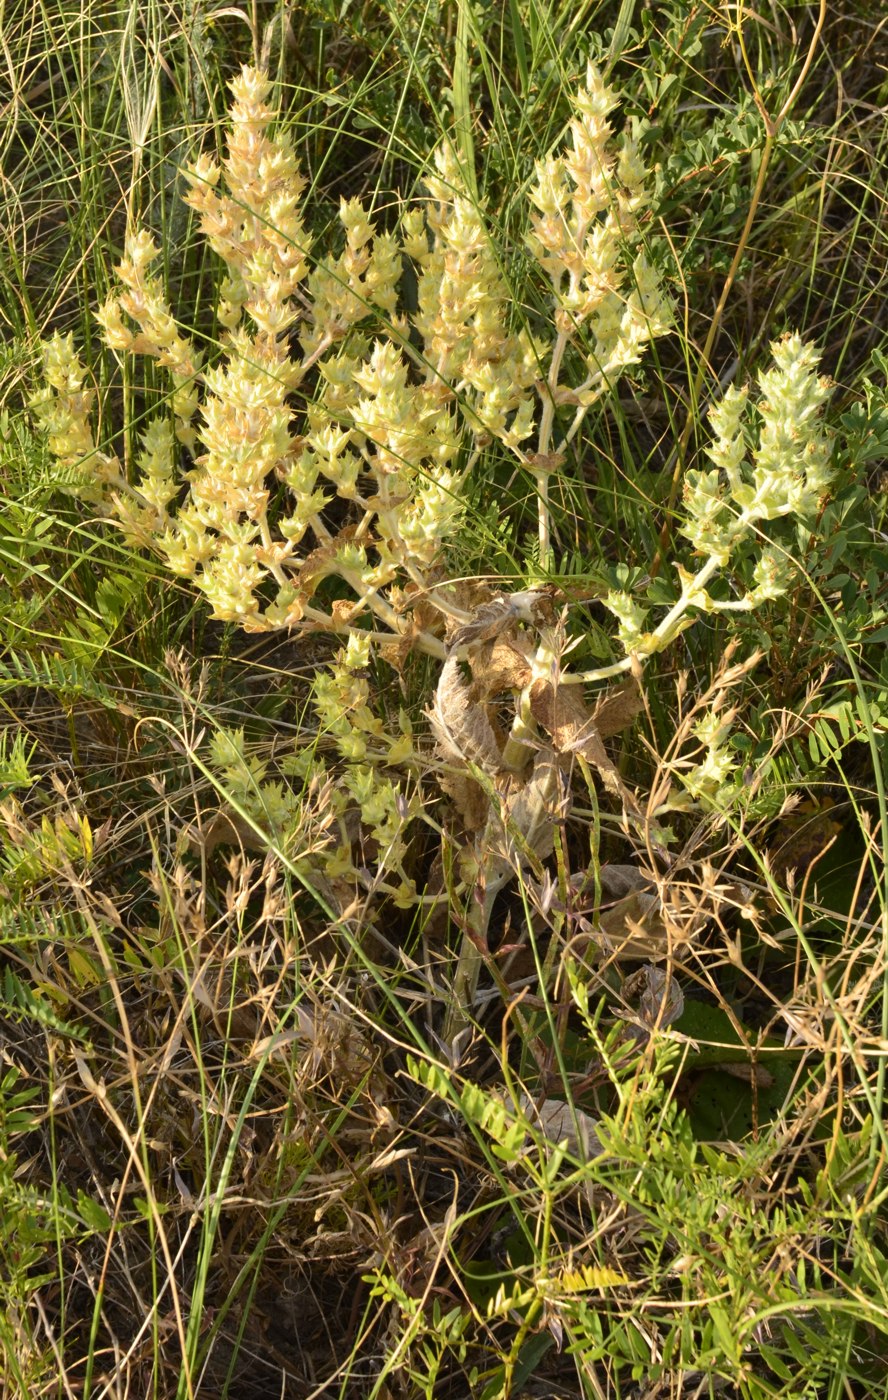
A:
[442,774]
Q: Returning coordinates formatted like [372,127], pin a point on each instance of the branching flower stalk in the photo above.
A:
[726,509]
[374,485]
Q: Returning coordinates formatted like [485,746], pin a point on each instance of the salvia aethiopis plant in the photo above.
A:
[329,437]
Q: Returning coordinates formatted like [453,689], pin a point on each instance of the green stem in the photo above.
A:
[668,628]
[543,473]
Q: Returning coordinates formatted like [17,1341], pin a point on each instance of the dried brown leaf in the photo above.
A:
[618,880]
[460,724]
[224,829]
[656,994]
[503,664]
[468,797]
[616,709]
[524,832]
[321,561]
[560,1123]
[633,927]
[564,714]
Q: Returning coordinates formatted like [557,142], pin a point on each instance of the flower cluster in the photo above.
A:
[790,469]
[707,779]
[589,201]
[270,803]
[781,470]
[62,408]
[342,700]
[464,311]
[256,226]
